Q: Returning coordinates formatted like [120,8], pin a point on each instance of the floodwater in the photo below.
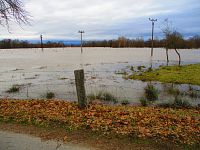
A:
[52,70]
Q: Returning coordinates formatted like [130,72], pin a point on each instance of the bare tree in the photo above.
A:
[173,39]
[12,10]
[167,31]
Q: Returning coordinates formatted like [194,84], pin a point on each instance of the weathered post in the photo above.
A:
[80,88]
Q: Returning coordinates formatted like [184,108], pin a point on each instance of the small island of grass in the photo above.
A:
[187,74]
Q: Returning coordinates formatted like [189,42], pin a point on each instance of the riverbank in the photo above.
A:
[187,74]
[178,126]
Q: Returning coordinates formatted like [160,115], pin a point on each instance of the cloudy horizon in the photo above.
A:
[104,19]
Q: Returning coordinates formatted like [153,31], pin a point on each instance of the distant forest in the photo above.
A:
[121,42]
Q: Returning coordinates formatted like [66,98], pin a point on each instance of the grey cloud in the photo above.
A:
[100,19]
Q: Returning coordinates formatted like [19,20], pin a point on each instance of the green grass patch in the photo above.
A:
[188,74]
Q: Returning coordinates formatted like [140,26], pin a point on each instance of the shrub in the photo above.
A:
[132,68]
[105,96]
[149,69]
[173,91]
[91,96]
[140,67]
[143,102]
[180,103]
[13,89]
[125,102]
[151,93]
[50,95]
[193,94]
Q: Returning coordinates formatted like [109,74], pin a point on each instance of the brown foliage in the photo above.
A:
[174,125]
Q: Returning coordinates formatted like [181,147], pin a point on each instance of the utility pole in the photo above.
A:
[41,42]
[153,21]
[81,32]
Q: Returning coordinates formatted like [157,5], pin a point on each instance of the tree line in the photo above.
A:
[10,44]
[123,42]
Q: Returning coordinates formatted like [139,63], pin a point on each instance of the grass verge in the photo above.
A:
[188,74]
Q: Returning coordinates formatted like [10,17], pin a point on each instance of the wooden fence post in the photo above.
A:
[80,88]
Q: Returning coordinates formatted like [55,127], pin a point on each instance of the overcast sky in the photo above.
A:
[105,19]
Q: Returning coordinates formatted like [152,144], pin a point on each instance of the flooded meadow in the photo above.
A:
[38,72]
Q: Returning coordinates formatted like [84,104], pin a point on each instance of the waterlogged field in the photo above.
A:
[36,72]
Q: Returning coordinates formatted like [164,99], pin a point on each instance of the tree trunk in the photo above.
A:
[178,56]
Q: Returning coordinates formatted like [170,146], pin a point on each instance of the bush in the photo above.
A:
[105,96]
[91,96]
[132,68]
[193,94]
[149,69]
[125,102]
[143,101]
[173,91]
[151,93]
[179,103]
[140,67]
[50,95]
[13,89]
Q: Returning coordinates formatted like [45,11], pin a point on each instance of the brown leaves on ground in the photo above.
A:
[167,124]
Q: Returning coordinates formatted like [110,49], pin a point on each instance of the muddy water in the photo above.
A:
[38,72]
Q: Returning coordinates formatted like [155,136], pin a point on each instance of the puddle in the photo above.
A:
[15,141]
